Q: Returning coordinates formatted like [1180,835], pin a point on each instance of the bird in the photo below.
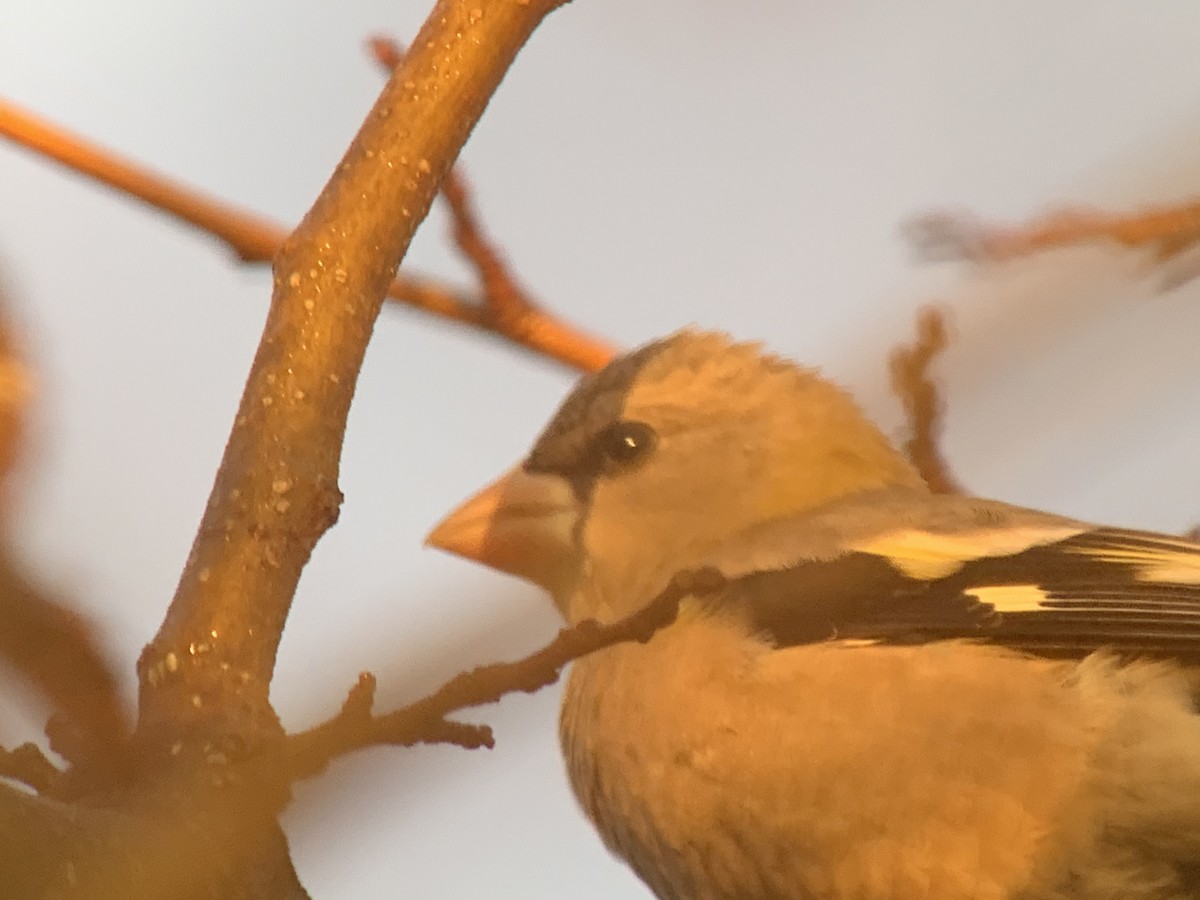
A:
[895,694]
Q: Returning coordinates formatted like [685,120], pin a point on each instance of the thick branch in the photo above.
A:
[172,844]
[355,727]
[276,491]
[255,239]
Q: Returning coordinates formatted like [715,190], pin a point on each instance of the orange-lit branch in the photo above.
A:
[1168,230]
[255,239]
[356,726]
[922,403]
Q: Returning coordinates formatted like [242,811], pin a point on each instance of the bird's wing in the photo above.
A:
[965,568]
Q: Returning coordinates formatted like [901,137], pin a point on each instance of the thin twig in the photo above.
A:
[254,239]
[922,402]
[1168,230]
[507,307]
[506,299]
[355,726]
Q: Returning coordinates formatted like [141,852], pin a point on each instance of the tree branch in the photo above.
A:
[28,765]
[254,239]
[922,402]
[1168,230]
[57,651]
[198,816]
[210,666]
[508,307]
[51,646]
[355,726]
[215,851]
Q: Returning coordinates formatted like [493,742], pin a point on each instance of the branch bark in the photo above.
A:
[276,490]
[93,852]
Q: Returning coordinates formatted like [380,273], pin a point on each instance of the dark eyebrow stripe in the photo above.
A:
[596,402]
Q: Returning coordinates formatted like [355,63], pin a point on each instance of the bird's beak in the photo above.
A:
[522,524]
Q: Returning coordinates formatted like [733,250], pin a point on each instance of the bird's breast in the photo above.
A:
[721,768]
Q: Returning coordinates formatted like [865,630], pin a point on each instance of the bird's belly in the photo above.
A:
[723,769]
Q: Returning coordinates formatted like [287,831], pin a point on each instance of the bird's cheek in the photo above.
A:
[522,524]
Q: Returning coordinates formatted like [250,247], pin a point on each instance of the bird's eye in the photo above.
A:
[625,443]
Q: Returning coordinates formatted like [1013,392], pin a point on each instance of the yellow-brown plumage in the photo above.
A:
[900,695]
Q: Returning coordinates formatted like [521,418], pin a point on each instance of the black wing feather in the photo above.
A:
[1105,588]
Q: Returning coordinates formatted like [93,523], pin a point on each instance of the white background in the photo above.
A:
[738,165]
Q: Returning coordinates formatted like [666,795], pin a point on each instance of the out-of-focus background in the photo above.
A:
[738,165]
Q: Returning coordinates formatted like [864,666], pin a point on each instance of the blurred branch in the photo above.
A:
[53,648]
[355,726]
[100,851]
[28,765]
[1167,230]
[255,239]
[16,395]
[922,402]
[58,652]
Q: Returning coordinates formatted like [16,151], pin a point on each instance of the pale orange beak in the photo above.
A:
[522,524]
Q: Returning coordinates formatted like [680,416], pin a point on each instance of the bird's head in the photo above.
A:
[653,462]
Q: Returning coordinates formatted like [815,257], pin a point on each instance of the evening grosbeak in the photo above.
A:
[897,694]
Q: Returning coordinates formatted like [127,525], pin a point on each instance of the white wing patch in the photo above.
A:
[1010,598]
[854,643]
[929,555]
[1160,562]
